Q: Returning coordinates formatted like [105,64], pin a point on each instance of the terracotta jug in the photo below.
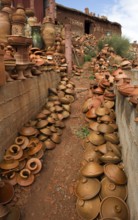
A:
[48,32]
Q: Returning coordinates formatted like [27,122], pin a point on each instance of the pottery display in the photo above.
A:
[87,188]
[88,209]
[114,207]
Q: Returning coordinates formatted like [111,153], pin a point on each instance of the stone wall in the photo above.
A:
[128,132]
[20,101]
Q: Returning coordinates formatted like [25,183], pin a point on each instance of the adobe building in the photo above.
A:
[81,22]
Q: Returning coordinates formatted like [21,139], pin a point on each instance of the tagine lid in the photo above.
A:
[22,141]
[114,207]
[28,131]
[88,209]
[115,174]
[108,188]
[92,169]
[87,188]
[35,149]
[110,157]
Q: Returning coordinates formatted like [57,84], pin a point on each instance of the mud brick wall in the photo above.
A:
[20,101]
[128,132]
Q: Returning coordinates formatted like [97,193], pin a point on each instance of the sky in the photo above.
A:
[124,12]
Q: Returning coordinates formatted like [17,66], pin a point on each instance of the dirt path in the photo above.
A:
[51,197]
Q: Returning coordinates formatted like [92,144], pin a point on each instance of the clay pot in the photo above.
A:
[15,151]
[46,131]
[115,174]
[25,177]
[105,118]
[9,163]
[34,165]
[109,104]
[49,144]
[6,192]
[91,113]
[114,207]
[105,128]
[55,138]
[92,169]
[28,131]
[100,111]
[113,138]
[22,141]
[101,149]
[87,188]
[87,105]
[96,138]
[48,33]
[88,209]
[110,157]
[109,188]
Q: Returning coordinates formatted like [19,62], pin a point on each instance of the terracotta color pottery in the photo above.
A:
[114,207]
[35,148]
[28,131]
[55,138]
[4,25]
[91,156]
[6,192]
[22,141]
[14,213]
[49,144]
[100,111]
[12,178]
[3,211]
[87,188]
[113,147]
[96,138]
[110,157]
[15,151]
[109,104]
[91,113]
[105,128]
[88,209]
[87,105]
[92,169]
[115,174]
[105,119]
[41,124]
[9,163]
[109,188]
[46,131]
[39,154]
[113,138]
[34,165]
[25,177]
[101,149]
[94,125]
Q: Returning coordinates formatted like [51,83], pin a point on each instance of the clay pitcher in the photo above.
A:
[48,32]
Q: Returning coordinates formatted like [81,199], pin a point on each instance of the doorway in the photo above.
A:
[87,26]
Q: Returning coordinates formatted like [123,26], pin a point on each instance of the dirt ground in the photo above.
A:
[51,196]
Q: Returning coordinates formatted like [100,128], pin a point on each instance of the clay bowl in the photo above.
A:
[115,174]
[96,138]
[41,124]
[22,141]
[114,207]
[28,131]
[6,192]
[88,209]
[108,188]
[46,131]
[15,151]
[92,169]
[87,188]
[35,148]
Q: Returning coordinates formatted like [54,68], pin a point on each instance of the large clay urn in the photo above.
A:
[48,32]
[5,26]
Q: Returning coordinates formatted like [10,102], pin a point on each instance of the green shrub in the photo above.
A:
[120,44]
